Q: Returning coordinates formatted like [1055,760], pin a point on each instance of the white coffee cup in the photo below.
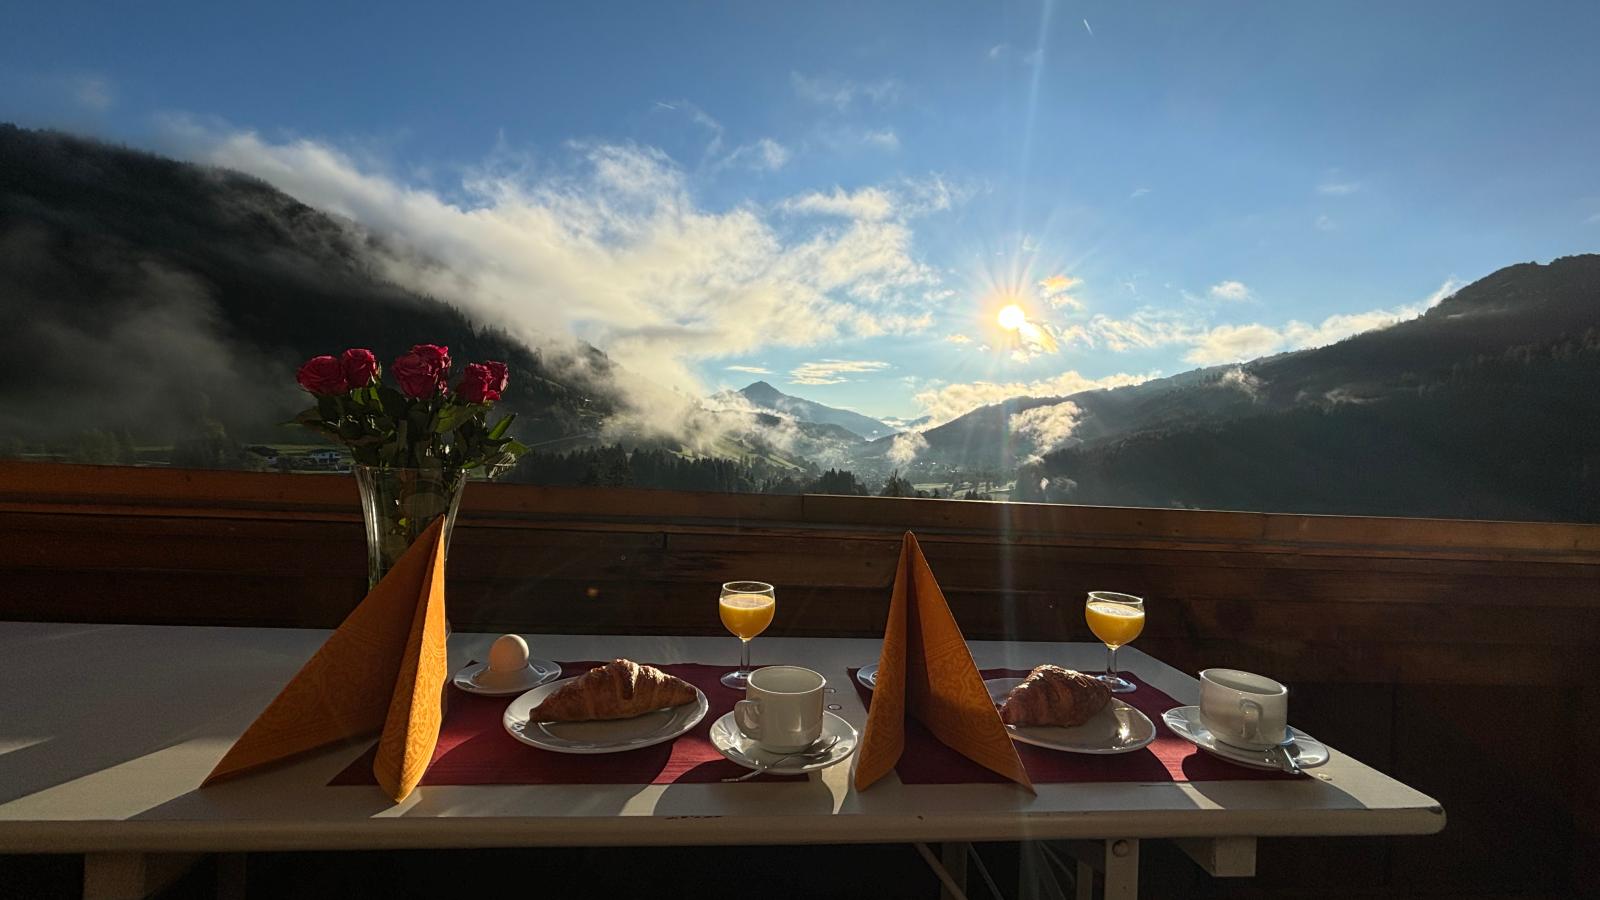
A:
[782,709]
[1243,709]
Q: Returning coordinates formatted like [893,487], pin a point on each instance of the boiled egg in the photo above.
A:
[508,654]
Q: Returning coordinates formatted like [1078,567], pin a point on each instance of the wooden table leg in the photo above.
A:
[1122,869]
[132,876]
[1222,857]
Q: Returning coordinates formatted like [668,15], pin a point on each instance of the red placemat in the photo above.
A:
[474,747]
[1168,758]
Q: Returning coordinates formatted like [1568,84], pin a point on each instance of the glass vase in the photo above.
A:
[398,504]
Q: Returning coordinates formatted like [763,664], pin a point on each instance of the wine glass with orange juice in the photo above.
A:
[746,608]
[1115,619]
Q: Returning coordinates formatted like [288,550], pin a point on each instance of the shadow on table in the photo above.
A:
[91,723]
[803,795]
[265,793]
[1303,790]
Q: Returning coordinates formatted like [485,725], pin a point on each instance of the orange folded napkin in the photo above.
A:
[926,669]
[384,667]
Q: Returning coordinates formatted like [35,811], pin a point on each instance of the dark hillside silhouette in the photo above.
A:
[160,298]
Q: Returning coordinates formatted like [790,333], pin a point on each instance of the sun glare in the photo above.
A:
[1012,317]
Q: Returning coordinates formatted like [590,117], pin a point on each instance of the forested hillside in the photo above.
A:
[1508,433]
[149,301]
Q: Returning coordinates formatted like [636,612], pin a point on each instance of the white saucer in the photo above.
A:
[1185,723]
[868,676]
[538,671]
[1117,728]
[605,736]
[728,740]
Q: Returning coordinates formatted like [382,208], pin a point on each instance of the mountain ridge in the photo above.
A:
[763,396]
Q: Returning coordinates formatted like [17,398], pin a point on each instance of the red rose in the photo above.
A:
[360,367]
[435,354]
[481,384]
[418,376]
[500,376]
[323,375]
[423,370]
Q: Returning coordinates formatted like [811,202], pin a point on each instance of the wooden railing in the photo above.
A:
[1455,655]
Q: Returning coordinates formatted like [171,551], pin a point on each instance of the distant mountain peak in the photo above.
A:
[764,396]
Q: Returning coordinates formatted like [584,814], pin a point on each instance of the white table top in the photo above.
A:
[107,730]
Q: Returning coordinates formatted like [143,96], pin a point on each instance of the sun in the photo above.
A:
[1012,317]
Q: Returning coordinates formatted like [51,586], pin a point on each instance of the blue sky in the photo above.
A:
[839,194]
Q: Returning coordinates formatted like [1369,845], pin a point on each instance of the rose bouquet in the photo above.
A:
[413,446]
[425,424]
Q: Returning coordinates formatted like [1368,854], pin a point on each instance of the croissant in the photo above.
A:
[620,689]
[1051,695]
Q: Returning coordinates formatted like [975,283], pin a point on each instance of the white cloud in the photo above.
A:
[1138,192]
[1338,188]
[764,154]
[1244,382]
[832,371]
[871,204]
[918,424]
[1209,344]
[905,447]
[1054,290]
[842,93]
[883,139]
[1048,427]
[1144,329]
[1445,290]
[750,370]
[94,93]
[949,401]
[997,51]
[1229,290]
[1234,343]
[1324,223]
[1299,335]
[958,339]
[908,198]
[1237,343]
[663,282]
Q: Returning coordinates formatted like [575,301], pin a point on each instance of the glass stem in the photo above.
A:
[744,654]
[1111,662]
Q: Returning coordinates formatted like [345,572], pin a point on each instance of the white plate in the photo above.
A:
[868,676]
[1185,723]
[608,736]
[472,678]
[1118,728]
[730,742]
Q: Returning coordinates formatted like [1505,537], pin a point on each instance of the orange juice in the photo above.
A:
[746,615]
[1114,624]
